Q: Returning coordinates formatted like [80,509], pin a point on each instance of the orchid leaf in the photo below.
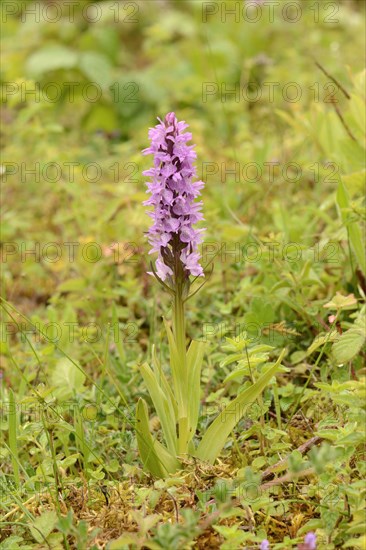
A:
[216,435]
[163,382]
[155,457]
[163,407]
[177,372]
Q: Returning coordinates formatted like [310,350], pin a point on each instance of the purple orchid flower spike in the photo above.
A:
[173,191]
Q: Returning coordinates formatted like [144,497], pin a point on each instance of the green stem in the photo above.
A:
[261,405]
[13,437]
[277,406]
[179,326]
[179,333]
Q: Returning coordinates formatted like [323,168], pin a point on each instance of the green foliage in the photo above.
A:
[215,437]
[350,343]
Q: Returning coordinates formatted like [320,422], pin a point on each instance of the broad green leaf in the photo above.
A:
[348,345]
[350,342]
[43,526]
[251,357]
[155,457]
[67,378]
[215,437]
[97,68]
[163,407]
[51,58]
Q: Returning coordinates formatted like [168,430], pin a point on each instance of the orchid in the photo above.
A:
[173,194]
[173,236]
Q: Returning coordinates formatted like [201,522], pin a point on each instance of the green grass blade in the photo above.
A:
[215,437]
[13,444]
[194,365]
[118,341]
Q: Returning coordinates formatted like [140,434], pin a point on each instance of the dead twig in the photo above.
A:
[288,478]
[332,79]
[282,464]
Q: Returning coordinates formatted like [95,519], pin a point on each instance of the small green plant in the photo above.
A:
[172,235]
